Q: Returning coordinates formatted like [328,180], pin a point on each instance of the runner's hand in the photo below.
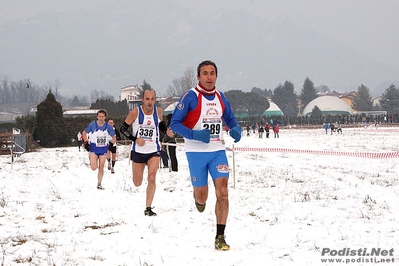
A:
[87,146]
[203,135]
[235,133]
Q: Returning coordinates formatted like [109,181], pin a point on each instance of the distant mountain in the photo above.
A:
[380,89]
[122,43]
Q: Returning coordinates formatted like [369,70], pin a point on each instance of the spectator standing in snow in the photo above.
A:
[171,138]
[260,132]
[276,130]
[79,139]
[267,130]
[326,127]
[332,128]
[164,153]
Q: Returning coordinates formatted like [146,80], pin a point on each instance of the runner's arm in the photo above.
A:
[186,103]
[126,124]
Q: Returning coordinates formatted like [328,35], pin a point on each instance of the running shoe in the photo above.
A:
[200,207]
[220,243]
[148,212]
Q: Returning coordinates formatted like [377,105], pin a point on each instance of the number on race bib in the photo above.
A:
[214,128]
[101,141]
[146,132]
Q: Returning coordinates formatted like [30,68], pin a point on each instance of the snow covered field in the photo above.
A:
[290,199]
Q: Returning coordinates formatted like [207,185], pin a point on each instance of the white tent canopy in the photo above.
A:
[273,110]
[170,108]
[328,105]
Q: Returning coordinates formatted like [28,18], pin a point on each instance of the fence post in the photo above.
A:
[12,158]
[234,170]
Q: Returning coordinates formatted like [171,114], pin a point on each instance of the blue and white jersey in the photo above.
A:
[99,137]
[146,127]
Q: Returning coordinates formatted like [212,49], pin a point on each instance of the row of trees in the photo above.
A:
[390,100]
[113,108]
[23,94]
[247,102]
[50,128]
[20,93]
[285,97]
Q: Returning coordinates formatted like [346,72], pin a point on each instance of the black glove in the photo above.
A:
[110,144]
[87,146]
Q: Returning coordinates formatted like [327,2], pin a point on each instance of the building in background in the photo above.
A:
[132,94]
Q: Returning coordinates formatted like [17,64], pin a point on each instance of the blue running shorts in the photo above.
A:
[100,153]
[200,163]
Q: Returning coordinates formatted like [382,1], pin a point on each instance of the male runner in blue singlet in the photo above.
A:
[97,145]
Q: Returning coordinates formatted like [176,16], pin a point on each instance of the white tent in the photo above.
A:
[273,110]
[170,108]
[328,105]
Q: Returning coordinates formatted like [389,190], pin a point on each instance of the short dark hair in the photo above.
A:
[102,111]
[206,63]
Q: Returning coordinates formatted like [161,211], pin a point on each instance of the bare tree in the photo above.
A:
[100,95]
[182,84]
[94,96]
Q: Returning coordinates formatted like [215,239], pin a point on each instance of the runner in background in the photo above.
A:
[79,137]
[111,153]
[99,132]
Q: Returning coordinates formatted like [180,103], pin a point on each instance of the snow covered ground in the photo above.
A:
[290,198]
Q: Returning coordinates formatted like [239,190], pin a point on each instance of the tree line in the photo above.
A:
[46,125]
[20,96]
[49,127]
[286,98]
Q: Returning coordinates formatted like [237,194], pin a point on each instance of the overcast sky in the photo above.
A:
[372,27]
[367,26]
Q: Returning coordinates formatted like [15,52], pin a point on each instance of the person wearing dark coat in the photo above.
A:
[267,129]
[171,148]
[260,131]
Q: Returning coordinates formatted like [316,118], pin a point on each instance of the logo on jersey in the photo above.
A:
[222,168]
[180,106]
[212,111]
[148,122]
